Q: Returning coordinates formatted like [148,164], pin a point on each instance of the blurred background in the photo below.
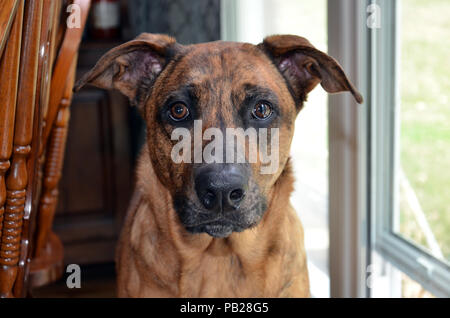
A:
[102,125]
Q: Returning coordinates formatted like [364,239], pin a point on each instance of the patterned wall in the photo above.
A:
[189,21]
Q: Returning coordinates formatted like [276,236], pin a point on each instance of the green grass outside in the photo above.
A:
[425,115]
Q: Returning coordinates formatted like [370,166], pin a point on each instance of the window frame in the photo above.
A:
[432,273]
[348,153]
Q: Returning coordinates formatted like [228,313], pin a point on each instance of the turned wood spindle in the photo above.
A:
[4,166]
[17,176]
[16,183]
[9,68]
[52,175]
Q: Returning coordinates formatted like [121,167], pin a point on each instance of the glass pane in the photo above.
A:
[424,177]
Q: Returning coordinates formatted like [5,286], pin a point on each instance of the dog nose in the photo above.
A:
[221,187]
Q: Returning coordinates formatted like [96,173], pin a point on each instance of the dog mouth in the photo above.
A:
[218,229]
[195,220]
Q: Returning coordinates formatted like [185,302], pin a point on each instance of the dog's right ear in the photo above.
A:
[131,65]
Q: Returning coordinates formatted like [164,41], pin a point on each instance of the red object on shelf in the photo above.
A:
[105,18]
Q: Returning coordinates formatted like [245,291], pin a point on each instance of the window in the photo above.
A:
[382,154]
[423,216]
[410,143]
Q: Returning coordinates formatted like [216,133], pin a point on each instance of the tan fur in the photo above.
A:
[157,258]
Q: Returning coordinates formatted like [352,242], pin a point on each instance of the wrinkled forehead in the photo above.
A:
[222,60]
[225,68]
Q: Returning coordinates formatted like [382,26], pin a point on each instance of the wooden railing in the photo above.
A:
[37,68]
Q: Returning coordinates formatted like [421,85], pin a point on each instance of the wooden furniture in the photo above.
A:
[38,57]
[96,183]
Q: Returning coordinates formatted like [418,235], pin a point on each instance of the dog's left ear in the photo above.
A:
[304,66]
[131,65]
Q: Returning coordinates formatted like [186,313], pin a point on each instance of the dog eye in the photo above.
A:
[262,110]
[178,112]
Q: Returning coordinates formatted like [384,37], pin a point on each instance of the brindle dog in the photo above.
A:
[214,230]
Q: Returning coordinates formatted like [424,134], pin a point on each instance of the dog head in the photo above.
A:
[220,117]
